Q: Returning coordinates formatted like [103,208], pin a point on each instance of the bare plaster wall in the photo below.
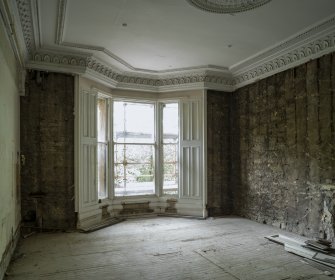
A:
[9,151]
[47,143]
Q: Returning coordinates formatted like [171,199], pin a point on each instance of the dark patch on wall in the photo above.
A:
[171,206]
[104,212]
[47,144]
[283,149]
[136,208]
[219,192]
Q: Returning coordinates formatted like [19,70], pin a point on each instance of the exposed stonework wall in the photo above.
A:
[283,142]
[47,143]
[219,193]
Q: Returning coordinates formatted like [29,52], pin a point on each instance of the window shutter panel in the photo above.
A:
[88,194]
[191,149]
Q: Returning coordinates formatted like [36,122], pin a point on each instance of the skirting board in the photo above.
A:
[9,253]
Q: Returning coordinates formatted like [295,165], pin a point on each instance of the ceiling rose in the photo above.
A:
[227,6]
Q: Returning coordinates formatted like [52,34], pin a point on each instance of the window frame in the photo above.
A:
[160,104]
[106,143]
[158,146]
[112,144]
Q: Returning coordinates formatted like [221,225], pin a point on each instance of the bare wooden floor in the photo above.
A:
[161,248]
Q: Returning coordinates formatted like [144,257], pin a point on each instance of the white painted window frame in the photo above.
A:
[112,143]
[186,205]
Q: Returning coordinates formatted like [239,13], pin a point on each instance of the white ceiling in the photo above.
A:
[167,45]
[165,35]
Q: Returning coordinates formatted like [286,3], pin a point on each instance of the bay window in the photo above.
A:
[133,150]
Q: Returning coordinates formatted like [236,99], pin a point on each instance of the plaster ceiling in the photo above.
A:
[161,35]
[167,45]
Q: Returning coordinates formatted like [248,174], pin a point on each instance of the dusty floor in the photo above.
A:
[161,248]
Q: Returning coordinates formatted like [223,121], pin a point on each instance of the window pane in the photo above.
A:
[102,147]
[134,169]
[139,154]
[170,148]
[170,123]
[170,169]
[133,122]
[102,119]
[102,170]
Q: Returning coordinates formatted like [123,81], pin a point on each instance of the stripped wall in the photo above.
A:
[47,144]
[283,144]
[219,191]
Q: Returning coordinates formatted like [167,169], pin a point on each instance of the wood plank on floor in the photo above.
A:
[162,248]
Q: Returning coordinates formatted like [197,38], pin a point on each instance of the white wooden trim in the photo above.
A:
[193,204]
[204,163]
[77,116]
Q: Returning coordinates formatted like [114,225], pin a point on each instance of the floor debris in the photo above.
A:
[29,234]
[167,254]
[316,251]
[326,269]
[328,273]
[315,245]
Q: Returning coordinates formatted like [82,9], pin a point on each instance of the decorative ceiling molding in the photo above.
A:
[310,43]
[63,59]
[9,25]
[35,11]
[60,20]
[10,21]
[284,62]
[100,49]
[92,67]
[61,17]
[139,70]
[308,35]
[227,6]
[314,42]
[24,8]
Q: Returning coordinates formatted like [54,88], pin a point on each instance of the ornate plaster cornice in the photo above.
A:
[92,67]
[26,18]
[61,16]
[310,43]
[307,35]
[227,6]
[60,20]
[9,19]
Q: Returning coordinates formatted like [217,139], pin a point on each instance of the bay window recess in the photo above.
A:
[132,148]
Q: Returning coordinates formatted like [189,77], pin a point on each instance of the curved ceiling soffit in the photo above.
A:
[227,6]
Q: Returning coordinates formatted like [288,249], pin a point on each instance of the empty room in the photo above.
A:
[167,139]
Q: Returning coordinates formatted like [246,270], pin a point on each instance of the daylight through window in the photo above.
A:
[134,148]
[144,152]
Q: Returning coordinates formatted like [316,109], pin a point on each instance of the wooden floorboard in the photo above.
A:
[162,248]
